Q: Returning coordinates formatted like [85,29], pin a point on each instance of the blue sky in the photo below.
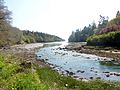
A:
[59,17]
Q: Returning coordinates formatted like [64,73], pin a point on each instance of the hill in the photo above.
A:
[106,33]
[108,36]
[10,35]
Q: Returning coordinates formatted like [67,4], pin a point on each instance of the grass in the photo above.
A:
[20,75]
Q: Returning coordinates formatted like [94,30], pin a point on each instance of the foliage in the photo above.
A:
[14,76]
[4,13]
[118,14]
[31,37]
[81,36]
[11,35]
[102,23]
[115,21]
[87,31]
[110,29]
[109,39]
[109,36]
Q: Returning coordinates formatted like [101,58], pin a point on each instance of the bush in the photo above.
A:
[109,39]
[24,81]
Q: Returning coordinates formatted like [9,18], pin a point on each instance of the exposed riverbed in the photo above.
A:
[78,65]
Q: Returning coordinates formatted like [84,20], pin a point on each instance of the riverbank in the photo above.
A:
[25,52]
[20,70]
[107,52]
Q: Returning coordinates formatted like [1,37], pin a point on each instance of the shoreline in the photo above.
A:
[110,53]
[26,52]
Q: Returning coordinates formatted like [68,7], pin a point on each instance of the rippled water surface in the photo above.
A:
[81,65]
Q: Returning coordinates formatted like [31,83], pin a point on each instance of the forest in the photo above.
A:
[106,33]
[10,35]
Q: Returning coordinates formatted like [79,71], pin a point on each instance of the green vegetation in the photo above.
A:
[31,37]
[109,39]
[87,31]
[115,21]
[16,74]
[109,36]
[110,63]
[82,35]
[10,35]
[106,33]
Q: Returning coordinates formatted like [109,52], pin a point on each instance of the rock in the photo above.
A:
[96,71]
[80,71]
[106,72]
[46,59]
[92,67]
[81,78]
[98,77]
[71,73]
[98,58]
[75,76]
[26,64]
[91,77]
[117,74]
[67,71]
[39,56]
[107,75]
[88,57]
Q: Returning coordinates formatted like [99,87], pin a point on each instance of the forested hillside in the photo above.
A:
[31,37]
[106,33]
[108,36]
[82,35]
[10,35]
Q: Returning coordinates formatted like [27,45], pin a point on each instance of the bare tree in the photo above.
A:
[5,14]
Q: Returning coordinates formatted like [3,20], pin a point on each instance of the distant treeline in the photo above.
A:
[106,33]
[11,35]
[31,37]
[82,35]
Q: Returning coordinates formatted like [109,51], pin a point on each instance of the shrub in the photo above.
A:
[109,39]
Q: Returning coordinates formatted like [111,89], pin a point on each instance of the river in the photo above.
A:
[78,65]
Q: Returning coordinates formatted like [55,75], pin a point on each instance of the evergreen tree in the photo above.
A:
[118,14]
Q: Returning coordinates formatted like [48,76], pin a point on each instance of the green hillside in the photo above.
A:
[10,35]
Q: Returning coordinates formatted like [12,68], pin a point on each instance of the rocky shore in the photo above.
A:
[25,52]
[109,53]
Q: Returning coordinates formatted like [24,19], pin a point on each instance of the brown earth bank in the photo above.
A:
[25,52]
[108,52]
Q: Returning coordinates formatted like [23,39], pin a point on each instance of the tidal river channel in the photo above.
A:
[77,65]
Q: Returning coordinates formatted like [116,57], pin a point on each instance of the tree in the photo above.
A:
[72,37]
[103,21]
[82,35]
[4,13]
[118,13]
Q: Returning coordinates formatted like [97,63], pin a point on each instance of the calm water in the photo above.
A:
[82,65]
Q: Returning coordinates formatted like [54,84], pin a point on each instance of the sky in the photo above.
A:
[59,17]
